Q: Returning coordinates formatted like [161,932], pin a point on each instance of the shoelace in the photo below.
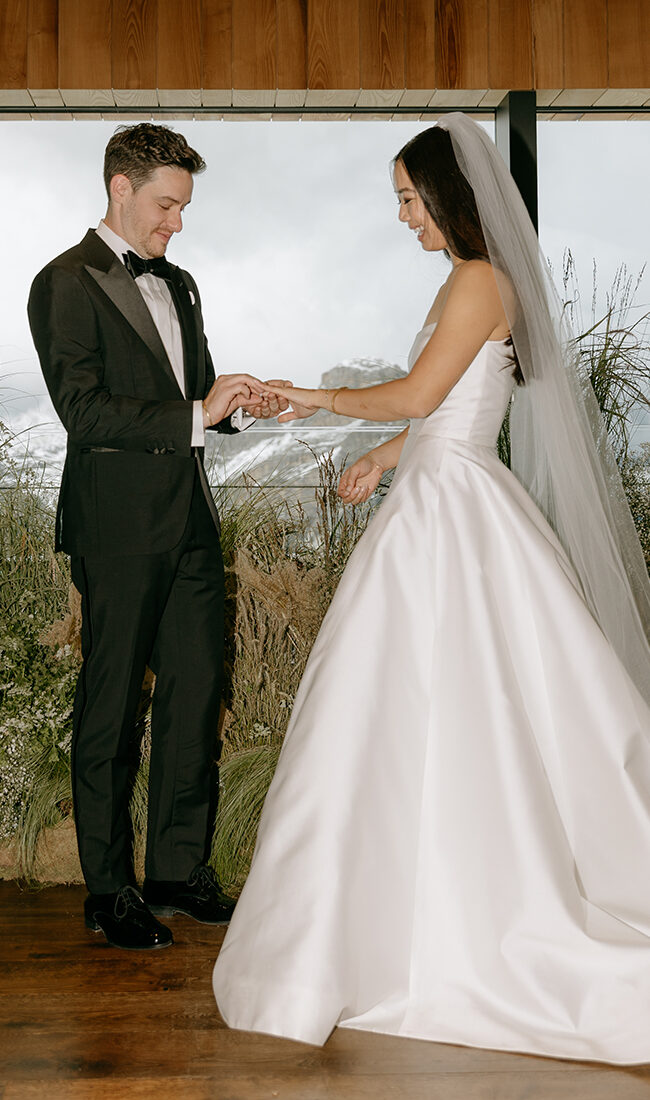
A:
[205,878]
[128,897]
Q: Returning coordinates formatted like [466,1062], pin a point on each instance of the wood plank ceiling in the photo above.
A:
[312,56]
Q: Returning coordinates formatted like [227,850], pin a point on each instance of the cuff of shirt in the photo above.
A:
[198,431]
[241,420]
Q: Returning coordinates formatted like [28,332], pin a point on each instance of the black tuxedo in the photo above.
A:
[138,520]
[129,468]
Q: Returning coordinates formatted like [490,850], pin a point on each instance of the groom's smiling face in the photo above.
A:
[148,217]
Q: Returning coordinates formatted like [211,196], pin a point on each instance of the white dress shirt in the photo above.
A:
[159,301]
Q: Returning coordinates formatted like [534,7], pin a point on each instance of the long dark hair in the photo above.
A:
[431,163]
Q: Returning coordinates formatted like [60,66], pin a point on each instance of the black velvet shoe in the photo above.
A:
[200,897]
[125,920]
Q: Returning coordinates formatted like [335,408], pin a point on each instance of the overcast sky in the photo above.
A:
[293,237]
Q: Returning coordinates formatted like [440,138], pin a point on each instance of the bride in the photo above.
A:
[456,843]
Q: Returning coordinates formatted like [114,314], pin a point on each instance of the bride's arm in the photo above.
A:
[471,313]
[361,479]
[387,454]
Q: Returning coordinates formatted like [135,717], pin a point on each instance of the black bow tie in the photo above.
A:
[135,266]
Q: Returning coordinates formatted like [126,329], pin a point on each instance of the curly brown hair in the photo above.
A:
[136,151]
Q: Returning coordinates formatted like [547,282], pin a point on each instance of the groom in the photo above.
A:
[119,334]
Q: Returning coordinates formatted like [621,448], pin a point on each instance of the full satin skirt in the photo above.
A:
[456,843]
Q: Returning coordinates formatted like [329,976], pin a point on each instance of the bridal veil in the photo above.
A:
[559,446]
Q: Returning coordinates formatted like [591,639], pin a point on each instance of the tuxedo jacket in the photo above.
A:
[130,467]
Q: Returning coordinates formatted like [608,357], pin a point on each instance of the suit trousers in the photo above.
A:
[165,611]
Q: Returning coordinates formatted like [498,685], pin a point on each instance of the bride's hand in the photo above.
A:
[263,408]
[360,480]
[303,402]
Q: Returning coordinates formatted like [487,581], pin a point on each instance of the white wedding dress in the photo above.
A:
[456,843]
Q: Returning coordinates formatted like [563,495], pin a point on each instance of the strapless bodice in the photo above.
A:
[474,409]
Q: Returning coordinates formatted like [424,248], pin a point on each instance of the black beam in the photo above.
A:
[388,113]
[516,140]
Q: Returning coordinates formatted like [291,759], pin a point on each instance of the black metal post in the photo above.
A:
[516,140]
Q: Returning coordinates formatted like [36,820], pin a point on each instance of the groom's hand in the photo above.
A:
[230,392]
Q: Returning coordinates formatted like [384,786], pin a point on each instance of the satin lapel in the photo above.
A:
[199,336]
[186,311]
[118,285]
[193,340]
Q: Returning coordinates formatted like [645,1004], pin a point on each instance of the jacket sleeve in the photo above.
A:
[64,327]
[224,426]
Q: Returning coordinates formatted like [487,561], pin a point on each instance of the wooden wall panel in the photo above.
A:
[628,32]
[381,43]
[85,44]
[13,44]
[43,44]
[510,63]
[462,43]
[548,43]
[333,44]
[216,44]
[292,43]
[326,46]
[135,25]
[254,42]
[179,44]
[420,43]
[585,43]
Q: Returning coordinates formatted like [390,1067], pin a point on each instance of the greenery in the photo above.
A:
[612,351]
[283,561]
[36,682]
[635,472]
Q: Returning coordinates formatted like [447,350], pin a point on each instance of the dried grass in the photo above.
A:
[66,632]
[284,576]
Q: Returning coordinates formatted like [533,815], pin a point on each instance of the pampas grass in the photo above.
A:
[244,780]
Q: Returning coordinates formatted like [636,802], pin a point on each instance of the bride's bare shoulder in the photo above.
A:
[474,274]
[480,280]
[469,277]
[473,293]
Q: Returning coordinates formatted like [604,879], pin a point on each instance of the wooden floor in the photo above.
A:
[79,1019]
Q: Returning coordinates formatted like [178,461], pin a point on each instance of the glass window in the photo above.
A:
[292,236]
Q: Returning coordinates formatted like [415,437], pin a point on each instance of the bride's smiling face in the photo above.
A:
[413,212]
